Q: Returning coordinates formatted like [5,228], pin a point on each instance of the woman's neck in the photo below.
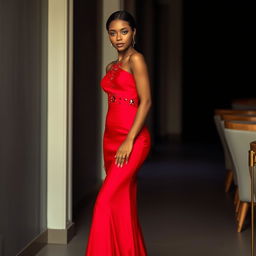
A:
[124,54]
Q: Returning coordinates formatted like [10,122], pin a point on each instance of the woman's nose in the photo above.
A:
[119,36]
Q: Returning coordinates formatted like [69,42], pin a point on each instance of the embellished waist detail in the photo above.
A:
[114,98]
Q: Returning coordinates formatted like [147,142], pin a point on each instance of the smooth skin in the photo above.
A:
[133,62]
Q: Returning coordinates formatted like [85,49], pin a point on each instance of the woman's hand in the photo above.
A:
[123,152]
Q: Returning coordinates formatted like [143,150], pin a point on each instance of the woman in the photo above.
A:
[115,228]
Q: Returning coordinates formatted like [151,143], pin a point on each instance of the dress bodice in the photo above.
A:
[120,86]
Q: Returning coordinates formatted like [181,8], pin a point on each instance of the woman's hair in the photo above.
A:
[121,15]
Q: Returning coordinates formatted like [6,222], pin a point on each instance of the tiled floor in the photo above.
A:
[183,208]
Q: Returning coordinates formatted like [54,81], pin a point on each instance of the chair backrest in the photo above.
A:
[220,130]
[219,115]
[239,135]
[240,125]
[249,103]
[239,117]
[235,111]
[253,147]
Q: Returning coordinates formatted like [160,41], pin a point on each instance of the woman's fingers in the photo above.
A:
[127,158]
[120,159]
[117,161]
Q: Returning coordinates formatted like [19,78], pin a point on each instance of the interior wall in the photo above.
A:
[109,54]
[173,94]
[23,72]
[168,52]
[145,43]
[160,39]
[130,6]
[161,69]
[86,98]
[59,115]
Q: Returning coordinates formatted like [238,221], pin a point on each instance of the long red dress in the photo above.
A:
[115,228]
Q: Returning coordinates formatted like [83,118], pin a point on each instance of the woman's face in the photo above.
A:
[120,34]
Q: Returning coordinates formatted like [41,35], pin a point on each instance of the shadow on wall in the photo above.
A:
[86,101]
[23,123]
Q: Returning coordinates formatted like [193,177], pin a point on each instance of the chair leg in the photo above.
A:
[239,211]
[237,206]
[236,197]
[229,179]
[244,210]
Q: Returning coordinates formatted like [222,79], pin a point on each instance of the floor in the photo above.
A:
[183,208]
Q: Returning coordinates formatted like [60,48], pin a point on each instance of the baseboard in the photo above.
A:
[49,236]
[61,236]
[35,245]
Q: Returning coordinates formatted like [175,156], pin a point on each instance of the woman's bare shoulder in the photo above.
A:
[109,65]
[137,59]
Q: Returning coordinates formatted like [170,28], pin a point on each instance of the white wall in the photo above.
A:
[59,115]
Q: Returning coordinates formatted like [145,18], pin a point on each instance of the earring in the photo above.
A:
[133,42]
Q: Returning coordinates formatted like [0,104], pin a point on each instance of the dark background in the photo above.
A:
[216,66]
[216,60]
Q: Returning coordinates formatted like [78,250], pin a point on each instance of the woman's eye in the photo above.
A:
[123,32]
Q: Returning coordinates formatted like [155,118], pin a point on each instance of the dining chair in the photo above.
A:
[252,167]
[237,117]
[238,135]
[219,115]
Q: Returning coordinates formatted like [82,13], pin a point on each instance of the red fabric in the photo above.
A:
[115,228]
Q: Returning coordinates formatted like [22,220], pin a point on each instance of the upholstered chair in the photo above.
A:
[238,136]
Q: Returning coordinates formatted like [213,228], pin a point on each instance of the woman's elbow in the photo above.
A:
[147,103]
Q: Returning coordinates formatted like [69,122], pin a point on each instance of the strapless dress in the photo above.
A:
[115,229]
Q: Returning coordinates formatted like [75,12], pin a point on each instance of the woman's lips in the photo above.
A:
[119,45]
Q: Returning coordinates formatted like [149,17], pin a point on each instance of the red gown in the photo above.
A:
[115,229]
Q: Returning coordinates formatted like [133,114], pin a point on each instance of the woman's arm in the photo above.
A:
[140,72]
